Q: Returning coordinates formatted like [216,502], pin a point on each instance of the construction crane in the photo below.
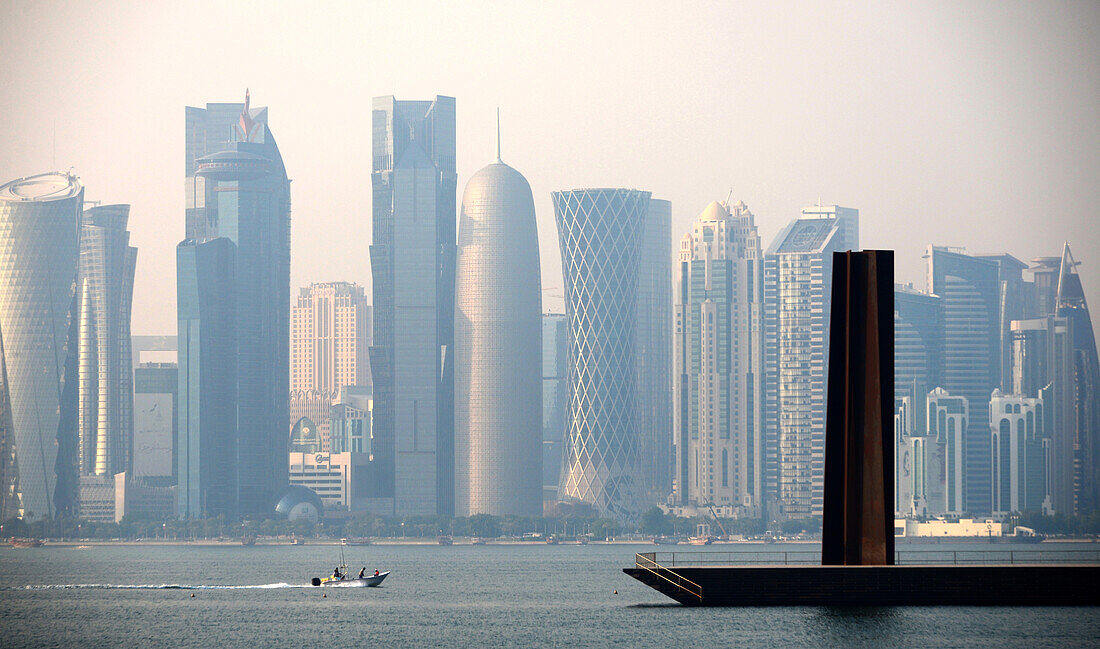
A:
[715,515]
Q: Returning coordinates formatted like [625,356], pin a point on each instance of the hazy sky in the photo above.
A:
[955,123]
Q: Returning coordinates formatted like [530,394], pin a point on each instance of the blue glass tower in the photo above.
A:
[245,199]
[412,256]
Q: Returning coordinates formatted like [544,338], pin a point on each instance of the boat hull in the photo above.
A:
[369,581]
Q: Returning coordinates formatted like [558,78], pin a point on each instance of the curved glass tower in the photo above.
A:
[39,226]
[498,348]
[601,233]
[107,262]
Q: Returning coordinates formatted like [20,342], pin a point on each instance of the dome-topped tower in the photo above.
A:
[498,348]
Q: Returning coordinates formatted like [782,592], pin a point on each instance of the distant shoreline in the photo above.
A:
[469,542]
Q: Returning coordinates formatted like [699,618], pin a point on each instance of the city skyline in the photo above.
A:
[922,138]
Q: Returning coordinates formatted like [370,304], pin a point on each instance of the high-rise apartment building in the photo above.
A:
[106,395]
[412,257]
[330,335]
[39,252]
[555,397]
[243,195]
[601,234]
[1018,454]
[719,363]
[797,296]
[948,423]
[653,351]
[970,288]
[498,348]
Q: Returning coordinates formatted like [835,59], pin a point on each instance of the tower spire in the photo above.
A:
[498,133]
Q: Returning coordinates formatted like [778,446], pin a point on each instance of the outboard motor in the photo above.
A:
[316,581]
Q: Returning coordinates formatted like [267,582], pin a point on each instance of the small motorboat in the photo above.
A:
[25,543]
[347,580]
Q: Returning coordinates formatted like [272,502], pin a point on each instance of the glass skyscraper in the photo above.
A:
[39,249]
[106,395]
[206,446]
[970,288]
[1086,390]
[412,256]
[601,234]
[243,194]
[797,293]
[498,348]
[719,363]
[653,351]
[555,396]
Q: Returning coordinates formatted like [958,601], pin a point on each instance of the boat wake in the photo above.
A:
[162,586]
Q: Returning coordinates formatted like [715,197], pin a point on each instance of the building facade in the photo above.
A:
[412,257]
[918,344]
[719,363]
[970,288]
[498,348]
[948,420]
[1086,390]
[555,398]
[243,194]
[106,391]
[330,327]
[1019,454]
[206,429]
[39,252]
[797,296]
[155,453]
[653,352]
[601,233]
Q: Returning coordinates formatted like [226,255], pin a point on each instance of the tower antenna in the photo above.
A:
[498,133]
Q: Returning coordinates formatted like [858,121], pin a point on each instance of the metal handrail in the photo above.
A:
[912,557]
[640,561]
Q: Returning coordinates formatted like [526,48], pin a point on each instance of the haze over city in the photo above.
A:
[969,125]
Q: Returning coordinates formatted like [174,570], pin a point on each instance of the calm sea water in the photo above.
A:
[459,596]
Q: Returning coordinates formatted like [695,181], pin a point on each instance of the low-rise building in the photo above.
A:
[963,527]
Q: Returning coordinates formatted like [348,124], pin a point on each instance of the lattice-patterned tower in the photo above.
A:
[600,232]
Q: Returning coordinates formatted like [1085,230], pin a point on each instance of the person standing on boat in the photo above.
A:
[361,571]
[336,573]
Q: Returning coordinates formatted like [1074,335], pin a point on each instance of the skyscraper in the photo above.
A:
[210,130]
[330,337]
[653,351]
[330,334]
[498,348]
[39,229]
[601,233]
[106,396]
[1018,453]
[847,220]
[155,453]
[719,363]
[412,257]
[1086,391]
[244,196]
[797,294]
[555,397]
[948,418]
[918,346]
[970,289]
[206,445]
